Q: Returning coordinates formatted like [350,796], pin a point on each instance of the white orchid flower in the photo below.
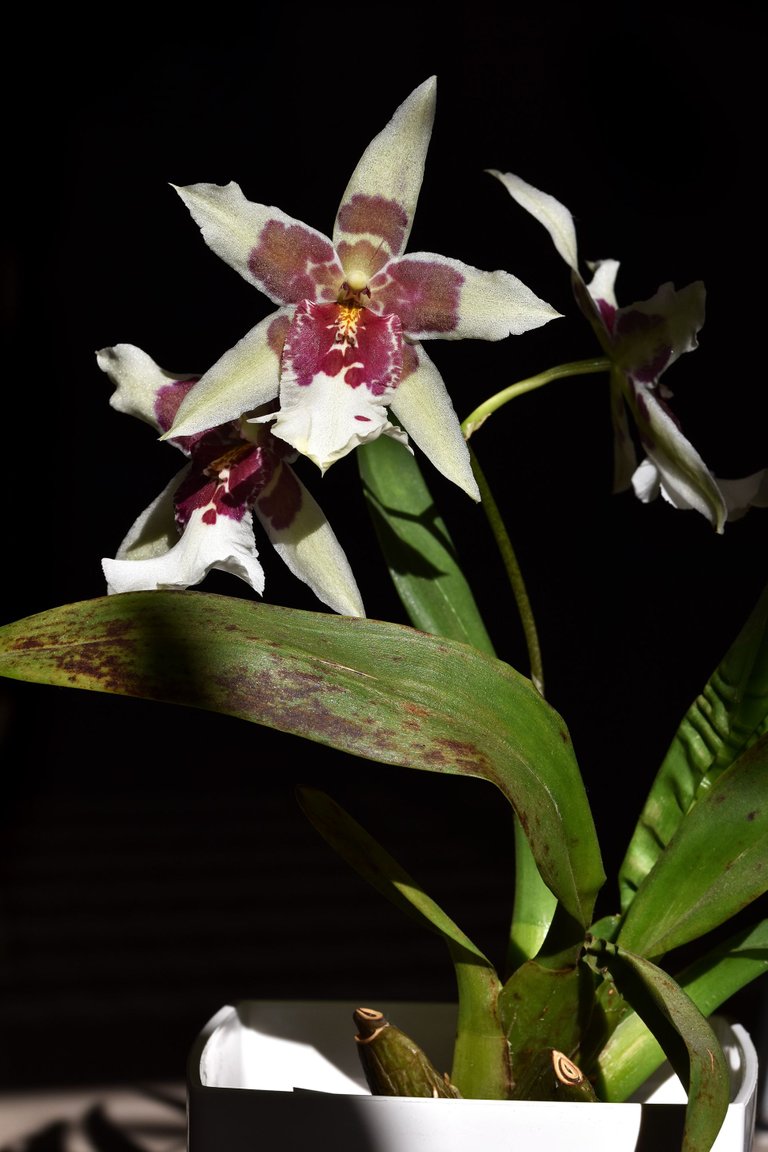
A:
[344,346]
[204,517]
[642,341]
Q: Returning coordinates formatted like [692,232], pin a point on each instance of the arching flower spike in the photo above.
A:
[204,517]
[641,340]
[344,347]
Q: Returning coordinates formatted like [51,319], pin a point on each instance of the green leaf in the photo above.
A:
[363,853]
[729,715]
[632,1053]
[378,690]
[481,1058]
[417,547]
[687,1038]
[714,865]
[423,564]
[543,1007]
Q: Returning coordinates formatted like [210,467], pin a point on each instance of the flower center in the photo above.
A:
[346,323]
[222,465]
[354,287]
[357,280]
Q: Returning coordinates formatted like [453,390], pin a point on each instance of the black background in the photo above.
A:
[153,862]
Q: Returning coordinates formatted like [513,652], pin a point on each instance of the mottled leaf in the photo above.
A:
[687,1038]
[378,690]
[632,1053]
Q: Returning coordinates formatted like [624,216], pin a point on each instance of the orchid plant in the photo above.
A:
[340,368]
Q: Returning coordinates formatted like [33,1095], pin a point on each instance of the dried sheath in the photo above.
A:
[552,1076]
[393,1064]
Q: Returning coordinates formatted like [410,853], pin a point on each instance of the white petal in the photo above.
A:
[651,334]
[745,493]
[555,217]
[424,408]
[645,481]
[245,378]
[602,284]
[436,296]
[137,380]
[340,368]
[684,478]
[154,532]
[380,199]
[228,545]
[284,258]
[329,421]
[310,549]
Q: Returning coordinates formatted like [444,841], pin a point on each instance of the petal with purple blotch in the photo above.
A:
[285,259]
[380,199]
[341,365]
[208,541]
[436,296]
[142,389]
[649,336]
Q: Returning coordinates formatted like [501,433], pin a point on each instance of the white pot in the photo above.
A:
[285,1076]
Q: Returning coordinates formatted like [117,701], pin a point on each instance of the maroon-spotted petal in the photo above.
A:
[341,365]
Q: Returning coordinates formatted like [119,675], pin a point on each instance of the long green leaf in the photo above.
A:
[633,1053]
[363,853]
[481,1056]
[417,546]
[729,715]
[687,1038]
[424,567]
[715,864]
[378,690]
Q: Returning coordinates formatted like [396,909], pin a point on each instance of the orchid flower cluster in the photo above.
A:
[340,367]
[345,349]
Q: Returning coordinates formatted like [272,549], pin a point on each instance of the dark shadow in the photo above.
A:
[661,1128]
[226,1118]
[405,559]
[105,1135]
[50,1139]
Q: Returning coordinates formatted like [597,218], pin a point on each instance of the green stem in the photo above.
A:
[514,574]
[480,1067]
[534,906]
[488,407]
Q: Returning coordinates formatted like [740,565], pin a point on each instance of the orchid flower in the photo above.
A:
[204,518]
[641,340]
[344,345]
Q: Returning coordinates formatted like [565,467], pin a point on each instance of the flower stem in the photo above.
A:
[534,904]
[489,406]
[504,545]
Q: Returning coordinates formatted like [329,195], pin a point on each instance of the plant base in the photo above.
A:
[278,1075]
